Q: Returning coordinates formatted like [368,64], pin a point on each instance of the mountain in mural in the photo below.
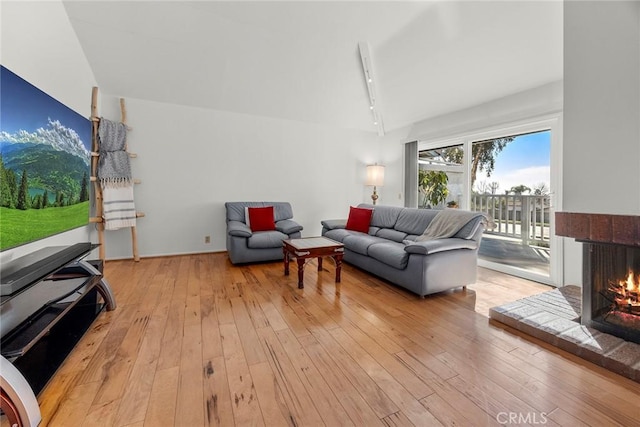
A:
[47,168]
[55,135]
[54,157]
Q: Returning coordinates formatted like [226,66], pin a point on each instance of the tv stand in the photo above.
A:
[42,317]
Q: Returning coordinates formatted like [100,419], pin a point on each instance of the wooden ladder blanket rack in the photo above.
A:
[95,154]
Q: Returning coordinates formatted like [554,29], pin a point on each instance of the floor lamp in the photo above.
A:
[375,178]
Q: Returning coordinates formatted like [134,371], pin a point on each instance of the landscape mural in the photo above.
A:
[44,164]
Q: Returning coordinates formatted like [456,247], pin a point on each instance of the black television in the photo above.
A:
[44,164]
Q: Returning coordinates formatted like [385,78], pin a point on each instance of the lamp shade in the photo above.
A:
[375,175]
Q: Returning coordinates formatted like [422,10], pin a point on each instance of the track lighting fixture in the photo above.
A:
[367,68]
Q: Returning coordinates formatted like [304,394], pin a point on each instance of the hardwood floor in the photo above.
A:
[196,341]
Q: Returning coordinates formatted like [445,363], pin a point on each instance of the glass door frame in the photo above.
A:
[551,122]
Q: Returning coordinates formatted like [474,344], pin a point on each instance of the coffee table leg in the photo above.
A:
[319,263]
[338,260]
[300,272]
[286,261]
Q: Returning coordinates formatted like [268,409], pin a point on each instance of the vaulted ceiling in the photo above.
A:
[300,60]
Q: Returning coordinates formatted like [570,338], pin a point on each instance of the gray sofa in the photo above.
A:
[391,252]
[244,246]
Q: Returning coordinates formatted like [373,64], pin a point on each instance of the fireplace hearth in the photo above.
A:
[611,270]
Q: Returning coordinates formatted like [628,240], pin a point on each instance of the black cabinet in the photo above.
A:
[48,301]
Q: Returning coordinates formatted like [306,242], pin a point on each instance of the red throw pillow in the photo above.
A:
[359,219]
[261,219]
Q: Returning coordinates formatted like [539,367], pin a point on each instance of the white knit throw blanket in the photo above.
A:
[447,223]
[118,208]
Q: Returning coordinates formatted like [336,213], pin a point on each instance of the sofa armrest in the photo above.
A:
[288,226]
[332,224]
[239,229]
[438,245]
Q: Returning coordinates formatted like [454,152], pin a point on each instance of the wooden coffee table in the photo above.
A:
[311,247]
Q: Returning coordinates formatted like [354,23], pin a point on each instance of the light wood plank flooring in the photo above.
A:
[196,341]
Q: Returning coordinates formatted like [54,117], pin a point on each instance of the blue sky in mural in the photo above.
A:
[25,107]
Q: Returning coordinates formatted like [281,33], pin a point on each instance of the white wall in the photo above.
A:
[39,45]
[601,156]
[602,107]
[192,160]
[524,105]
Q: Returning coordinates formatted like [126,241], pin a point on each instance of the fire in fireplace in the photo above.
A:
[611,292]
[625,307]
[625,294]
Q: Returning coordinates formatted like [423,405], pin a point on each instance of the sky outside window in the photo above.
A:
[523,161]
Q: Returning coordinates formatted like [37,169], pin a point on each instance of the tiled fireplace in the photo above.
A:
[611,270]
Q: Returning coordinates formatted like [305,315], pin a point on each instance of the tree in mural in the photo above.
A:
[12,180]
[60,199]
[6,195]
[84,191]
[23,193]
[45,199]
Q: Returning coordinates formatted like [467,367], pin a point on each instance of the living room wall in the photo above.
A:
[601,114]
[192,160]
[40,46]
[602,107]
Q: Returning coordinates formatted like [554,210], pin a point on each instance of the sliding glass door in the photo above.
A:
[509,174]
[511,180]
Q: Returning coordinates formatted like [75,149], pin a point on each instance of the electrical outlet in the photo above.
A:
[207,239]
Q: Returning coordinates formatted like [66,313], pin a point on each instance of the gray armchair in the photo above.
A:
[244,246]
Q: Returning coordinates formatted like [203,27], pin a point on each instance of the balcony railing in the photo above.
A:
[516,216]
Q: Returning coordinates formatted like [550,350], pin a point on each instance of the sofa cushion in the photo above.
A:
[236,210]
[338,234]
[390,234]
[288,226]
[373,231]
[260,218]
[360,242]
[359,219]
[266,239]
[281,210]
[239,229]
[414,221]
[392,254]
[330,224]
[383,216]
